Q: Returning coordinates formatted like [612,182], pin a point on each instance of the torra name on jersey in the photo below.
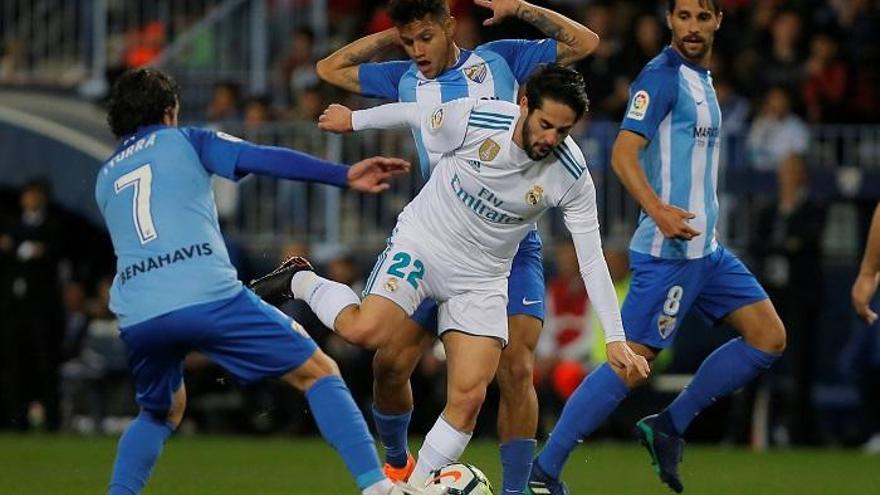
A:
[478,205]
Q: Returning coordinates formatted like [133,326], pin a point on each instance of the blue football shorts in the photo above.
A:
[249,338]
[525,286]
[662,291]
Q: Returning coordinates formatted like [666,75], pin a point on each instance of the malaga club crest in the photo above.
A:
[665,325]
[535,195]
[489,150]
[437,119]
[476,73]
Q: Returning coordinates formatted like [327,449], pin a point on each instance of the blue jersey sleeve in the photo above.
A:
[218,151]
[234,158]
[523,56]
[652,96]
[380,80]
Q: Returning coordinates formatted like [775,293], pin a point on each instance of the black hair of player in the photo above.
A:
[403,12]
[140,97]
[714,5]
[558,83]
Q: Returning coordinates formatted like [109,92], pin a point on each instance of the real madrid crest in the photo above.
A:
[437,118]
[489,150]
[476,73]
[535,195]
[391,284]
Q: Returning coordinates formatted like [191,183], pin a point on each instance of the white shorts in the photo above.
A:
[408,272]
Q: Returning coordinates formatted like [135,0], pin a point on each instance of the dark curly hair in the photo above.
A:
[403,12]
[558,83]
[140,97]
[714,5]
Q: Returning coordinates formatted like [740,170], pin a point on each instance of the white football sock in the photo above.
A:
[326,297]
[443,444]
[383,487]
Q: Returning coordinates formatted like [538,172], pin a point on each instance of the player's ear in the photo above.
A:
[524,104]
[669,20]
[720,18]
[449,27]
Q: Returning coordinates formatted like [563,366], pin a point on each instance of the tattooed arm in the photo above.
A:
[574,40]
[340,68]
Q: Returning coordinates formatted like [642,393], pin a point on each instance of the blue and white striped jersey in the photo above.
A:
[491,71]
[673,105]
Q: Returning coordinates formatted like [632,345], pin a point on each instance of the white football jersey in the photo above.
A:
[485,193]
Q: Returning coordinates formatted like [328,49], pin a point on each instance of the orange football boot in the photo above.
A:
[400,474]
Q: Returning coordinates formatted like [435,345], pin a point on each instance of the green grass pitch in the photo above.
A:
[49,465]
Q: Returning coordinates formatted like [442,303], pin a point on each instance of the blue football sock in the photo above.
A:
[516,461]
[393,430]
[343,426]
[728,368]
[592,402]
[139,448]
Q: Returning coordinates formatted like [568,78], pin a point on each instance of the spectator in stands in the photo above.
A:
[777,134]
[787,246]
[782,65]
[34,242]
[296,69]
[827,82]
[225,103]
[310,103]
[645,43]
[599,67]
[257,112]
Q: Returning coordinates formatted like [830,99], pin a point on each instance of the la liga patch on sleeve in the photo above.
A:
[639,106]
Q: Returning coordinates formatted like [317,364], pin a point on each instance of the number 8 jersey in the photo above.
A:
[156,198]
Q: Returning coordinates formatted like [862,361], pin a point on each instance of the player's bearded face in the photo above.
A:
[693,24]
[545,127]
[429,44]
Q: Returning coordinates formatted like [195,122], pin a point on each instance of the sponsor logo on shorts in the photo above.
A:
[391,284]
[527,302]
[665,325]
[299,328]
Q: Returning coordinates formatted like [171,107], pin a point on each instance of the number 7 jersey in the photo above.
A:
[156,198]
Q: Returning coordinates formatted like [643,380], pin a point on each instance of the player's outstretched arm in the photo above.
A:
[574,40]
[865,286]
[671,220]
[341,67]
[370,175]
[341,119]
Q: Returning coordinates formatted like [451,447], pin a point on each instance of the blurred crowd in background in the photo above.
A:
[782,69]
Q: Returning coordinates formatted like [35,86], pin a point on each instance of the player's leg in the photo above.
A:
[660,294]
[730,293]
[155,358]
[393,364]
[740,360]
[471,363]
[518,404]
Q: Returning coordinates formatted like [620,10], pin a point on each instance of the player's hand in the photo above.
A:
[336,118]
[372,175]
[862,292]
[621,356]
[672,222]
[500,9]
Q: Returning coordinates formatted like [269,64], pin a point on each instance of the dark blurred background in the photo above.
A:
[799,86]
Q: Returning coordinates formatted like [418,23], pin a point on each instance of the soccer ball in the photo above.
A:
[461,479]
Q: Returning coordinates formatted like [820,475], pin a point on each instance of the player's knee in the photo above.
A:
[393,367]
[465,403]
[516,373]
[178,407]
